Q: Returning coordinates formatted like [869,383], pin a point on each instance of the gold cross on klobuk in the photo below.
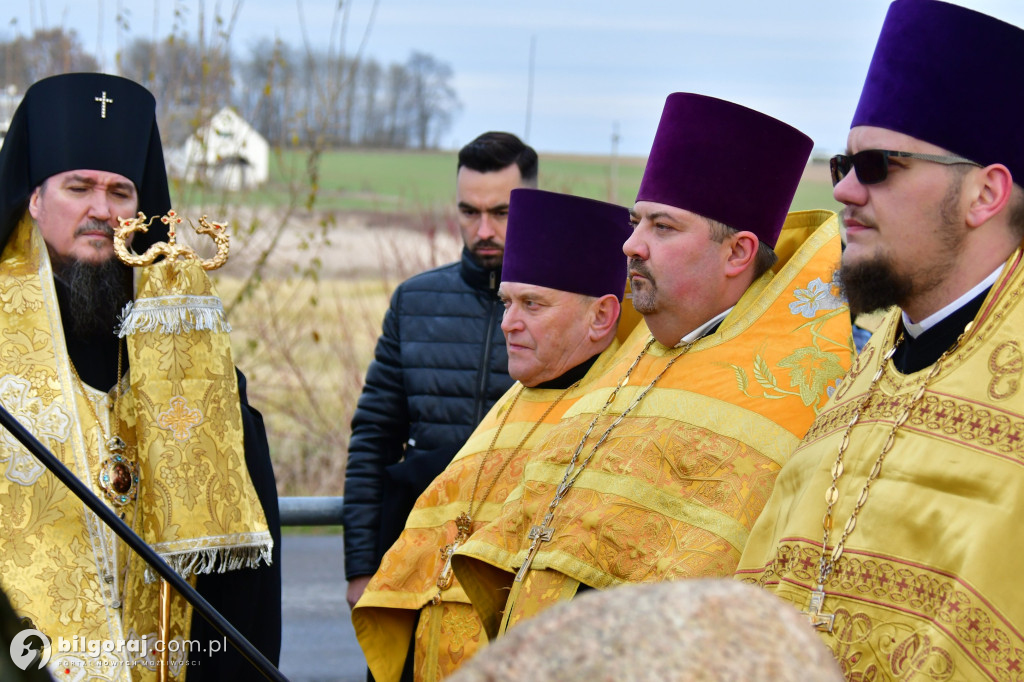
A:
[104,101]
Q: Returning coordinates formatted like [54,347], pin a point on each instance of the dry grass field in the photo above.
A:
[304,340]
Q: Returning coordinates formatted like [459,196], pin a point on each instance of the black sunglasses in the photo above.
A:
[872,165]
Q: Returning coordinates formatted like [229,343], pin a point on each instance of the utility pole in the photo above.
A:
[613,170]
[529,89]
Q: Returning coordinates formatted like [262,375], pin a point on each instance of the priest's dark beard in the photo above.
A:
[873,285]
[97,292]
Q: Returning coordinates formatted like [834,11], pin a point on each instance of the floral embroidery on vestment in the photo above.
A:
[50,421]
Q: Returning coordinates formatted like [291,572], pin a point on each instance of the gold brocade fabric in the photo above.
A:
[203,514]
[677,486]
[927,587]
[447,635]
[537,591]
[406,581]
[60,566]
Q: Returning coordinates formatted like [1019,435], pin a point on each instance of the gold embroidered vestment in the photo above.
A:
[449,632]
[926,586]
[676,487]
[179,416]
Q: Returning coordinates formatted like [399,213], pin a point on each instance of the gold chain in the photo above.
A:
[827,561]
[494,440]
[572,472]
[88,401]
[118,476]
[545,531]
[464,522]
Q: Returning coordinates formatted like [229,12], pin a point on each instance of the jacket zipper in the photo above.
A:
[481,396]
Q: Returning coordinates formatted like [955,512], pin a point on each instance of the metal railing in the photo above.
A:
[310,511]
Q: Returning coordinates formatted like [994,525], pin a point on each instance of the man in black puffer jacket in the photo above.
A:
[439,365]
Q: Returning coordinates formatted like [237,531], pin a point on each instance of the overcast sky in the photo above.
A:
[598,63]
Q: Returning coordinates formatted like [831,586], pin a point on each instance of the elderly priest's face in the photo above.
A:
[77,212]
[545,331]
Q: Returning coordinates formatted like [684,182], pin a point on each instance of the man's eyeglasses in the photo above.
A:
[872,165]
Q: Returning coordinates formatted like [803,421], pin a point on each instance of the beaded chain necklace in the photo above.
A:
[464,522]
[828,560]
[118,476]
[545,531]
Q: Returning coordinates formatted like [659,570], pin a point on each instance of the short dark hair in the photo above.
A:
[1015,206]
[493,151]
[1017,211]
[764,260]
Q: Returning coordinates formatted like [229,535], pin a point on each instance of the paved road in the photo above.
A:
[318,642]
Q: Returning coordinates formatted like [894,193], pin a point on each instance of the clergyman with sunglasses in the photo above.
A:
[894,527]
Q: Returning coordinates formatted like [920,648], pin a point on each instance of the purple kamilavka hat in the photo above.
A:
[949,76]
[725,162]
[565,242]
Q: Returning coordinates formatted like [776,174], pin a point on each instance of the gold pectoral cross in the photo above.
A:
[538,534]
[445,579]
[821,622]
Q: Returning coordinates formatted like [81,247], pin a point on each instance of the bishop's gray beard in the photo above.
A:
[97,292]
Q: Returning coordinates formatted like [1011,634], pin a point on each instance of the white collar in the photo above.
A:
[699,331]
[915,329]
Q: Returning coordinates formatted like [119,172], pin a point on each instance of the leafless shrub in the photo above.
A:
[305,340]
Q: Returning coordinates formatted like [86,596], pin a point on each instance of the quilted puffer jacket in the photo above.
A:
[439,366]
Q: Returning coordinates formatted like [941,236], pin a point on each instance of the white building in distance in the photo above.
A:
[226,153]
[10,98]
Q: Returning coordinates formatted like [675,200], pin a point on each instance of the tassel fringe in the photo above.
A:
[219,560]
[173,315]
